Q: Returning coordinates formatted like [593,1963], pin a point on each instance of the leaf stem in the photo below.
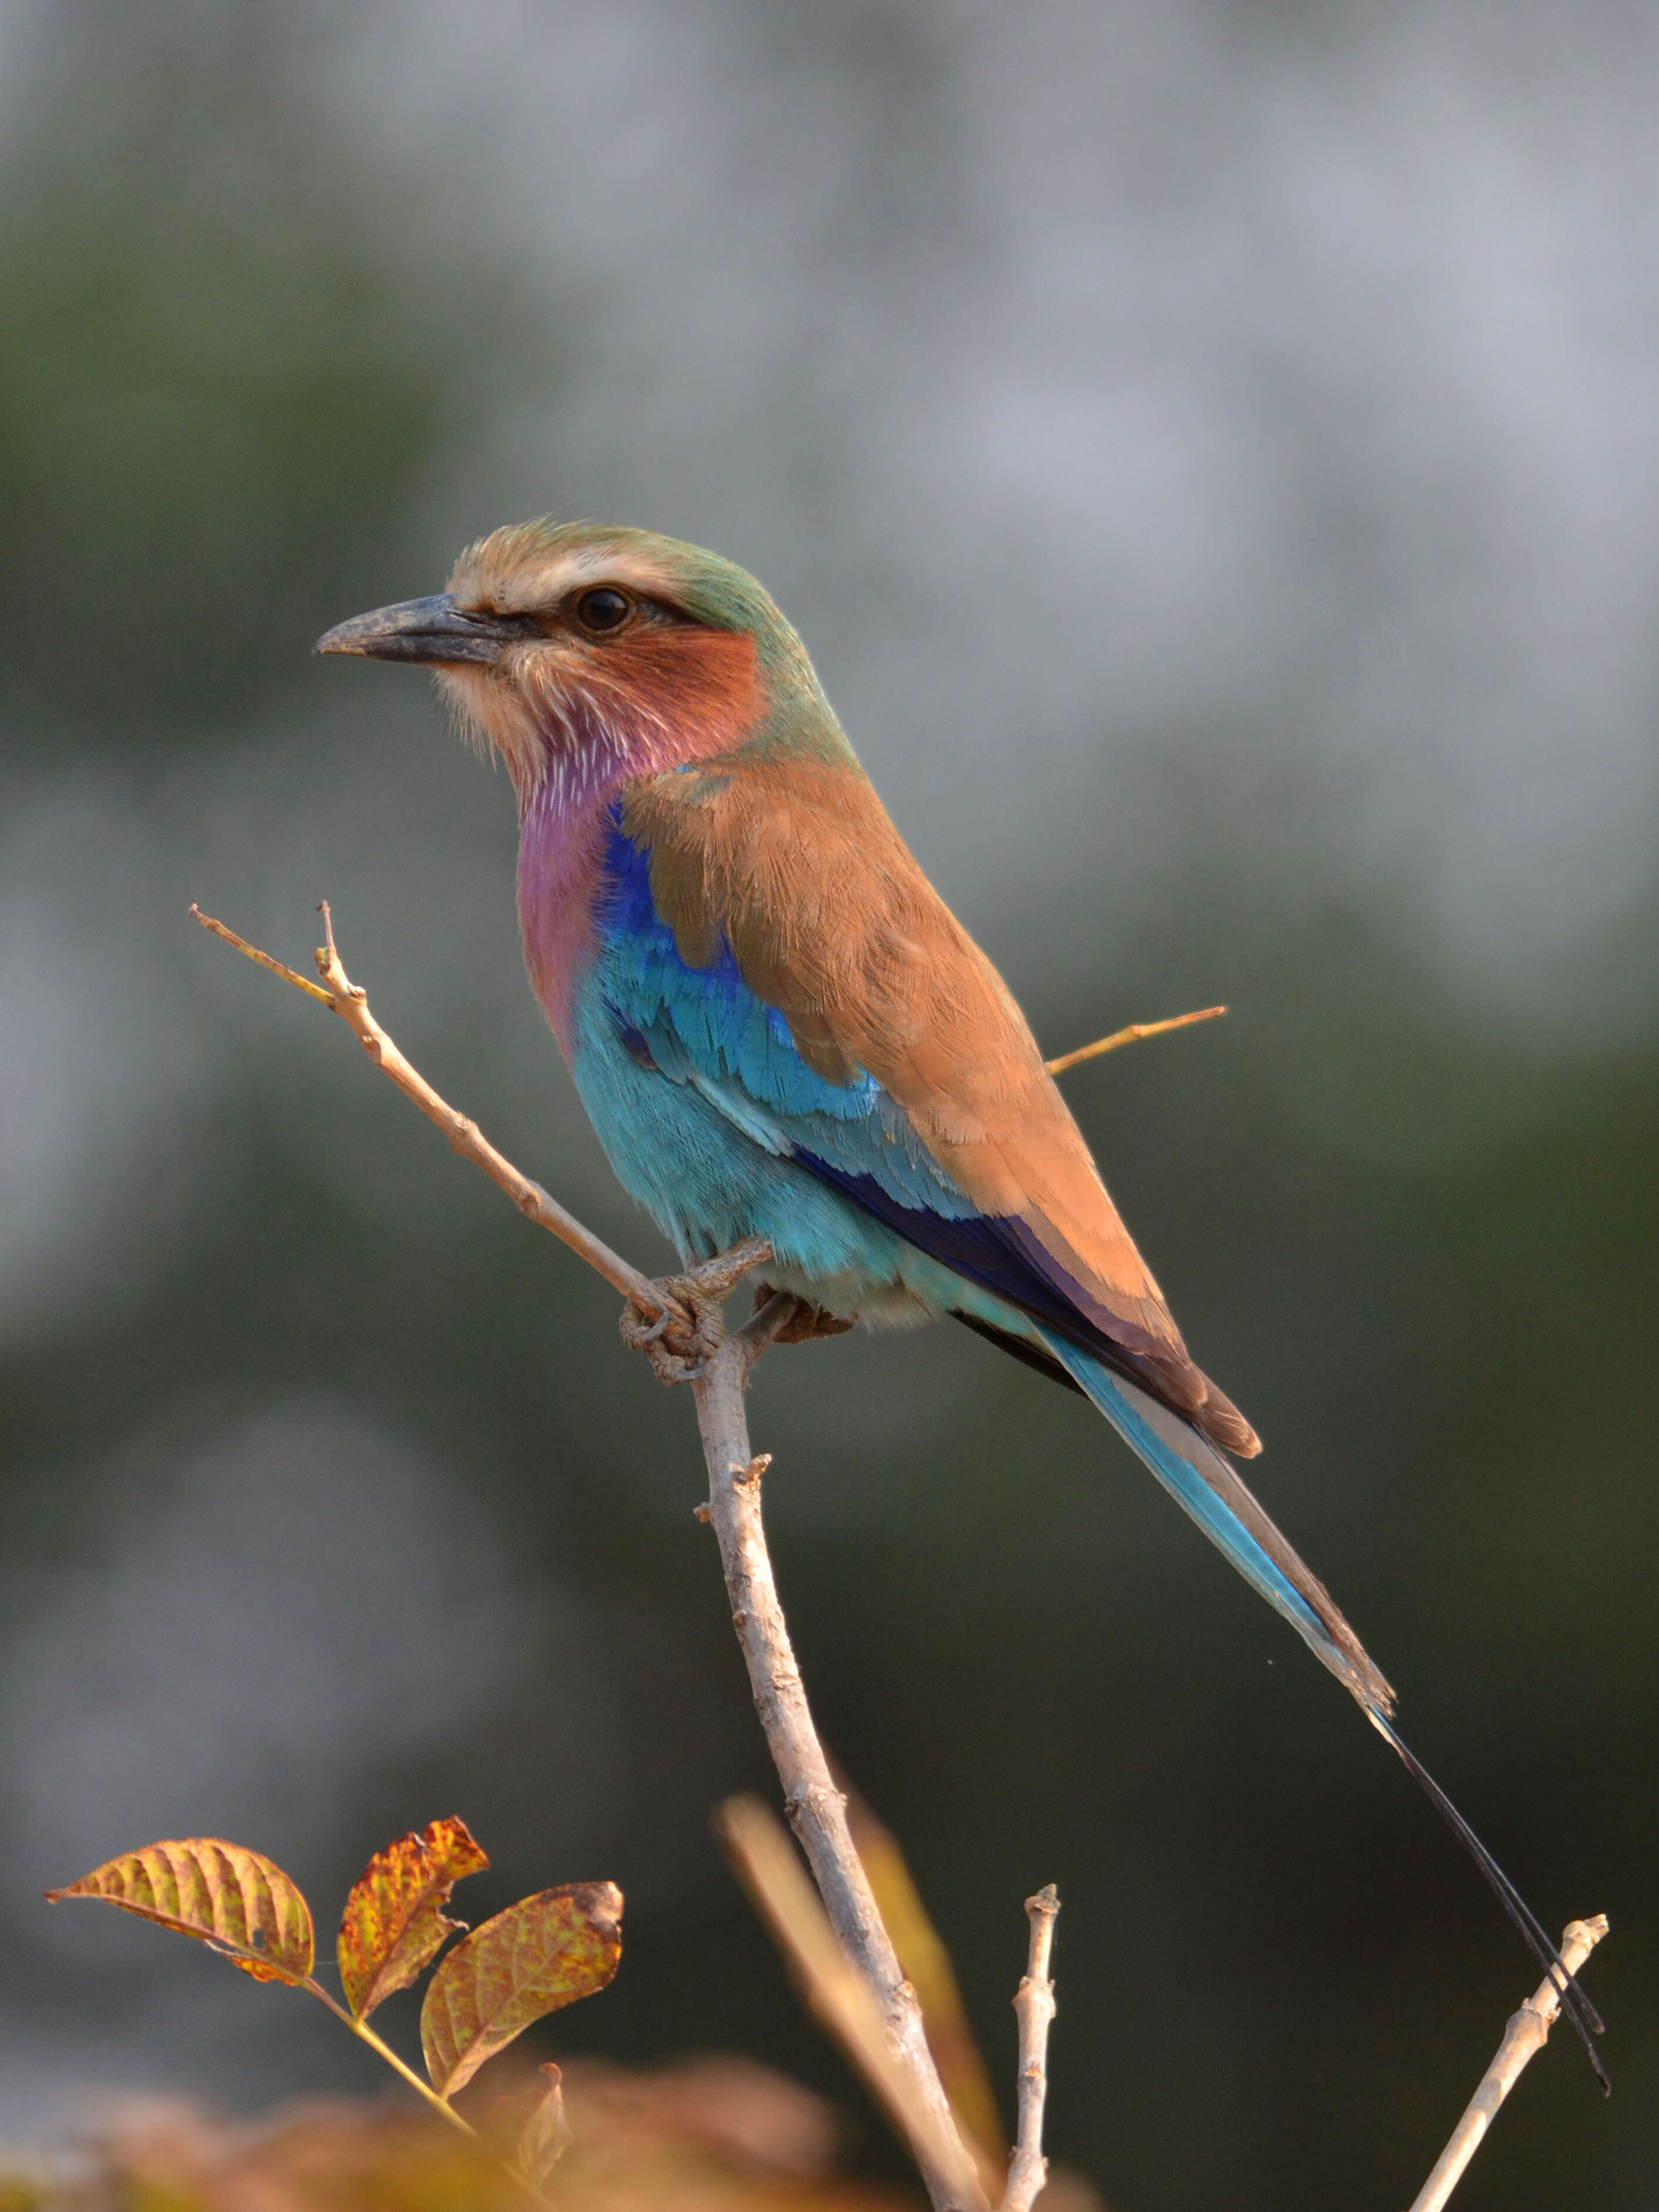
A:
[366,2033]
[362,2029]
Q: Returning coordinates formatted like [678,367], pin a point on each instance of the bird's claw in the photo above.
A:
[679,1351]
[804,1321]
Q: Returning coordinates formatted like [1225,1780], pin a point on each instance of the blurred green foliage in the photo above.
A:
[240,400]
[230,361]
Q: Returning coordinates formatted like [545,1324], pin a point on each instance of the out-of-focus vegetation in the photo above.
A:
[726,2134]
[310,1446]
[218,400]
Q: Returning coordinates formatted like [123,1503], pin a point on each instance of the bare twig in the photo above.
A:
[927,1966]
[1523,2038]
[817,1809]
[770,1870]
[816,1806]
[843,2000]
[1133,1035]
[345,999]
[1034,2008]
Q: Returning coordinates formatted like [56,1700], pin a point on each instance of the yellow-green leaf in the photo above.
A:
[241,1904]
[394,1923]
[544,1952]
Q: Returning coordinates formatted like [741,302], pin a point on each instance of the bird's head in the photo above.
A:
[582,654]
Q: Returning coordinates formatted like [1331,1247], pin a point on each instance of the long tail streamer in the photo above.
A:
[1208,1487]
[1586,2020]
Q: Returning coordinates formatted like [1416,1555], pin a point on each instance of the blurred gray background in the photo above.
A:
[1212,454]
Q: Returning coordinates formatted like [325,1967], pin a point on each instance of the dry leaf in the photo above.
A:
[312,2157]
[736,2110]
[541,1954]
[330,2156]
[394,1923]
[546,2134]
[241,1904]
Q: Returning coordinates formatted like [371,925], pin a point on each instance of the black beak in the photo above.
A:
[433,631]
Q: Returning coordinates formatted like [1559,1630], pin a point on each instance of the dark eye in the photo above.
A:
[603,609]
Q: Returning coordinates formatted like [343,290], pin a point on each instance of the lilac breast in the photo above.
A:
[561,857]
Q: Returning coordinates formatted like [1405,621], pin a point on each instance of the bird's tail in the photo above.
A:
[1207,1486]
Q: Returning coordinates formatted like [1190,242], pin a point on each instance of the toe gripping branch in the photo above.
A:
[688,1324]
[683,1334]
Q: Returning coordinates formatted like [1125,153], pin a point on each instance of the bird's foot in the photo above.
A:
[679,1350]
[804,1321]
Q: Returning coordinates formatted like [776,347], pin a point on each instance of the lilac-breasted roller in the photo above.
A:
[780,1030]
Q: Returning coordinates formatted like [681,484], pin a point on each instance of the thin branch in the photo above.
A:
[816,1808]
[343,997]
[1034,2009]
[769,1869]
[264,959]
[926,1960]
[1523,2038]
[1133,1035]
[843,2000]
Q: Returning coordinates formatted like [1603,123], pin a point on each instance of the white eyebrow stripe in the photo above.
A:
[545,585]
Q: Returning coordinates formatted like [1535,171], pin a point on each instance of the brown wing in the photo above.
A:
[832,921]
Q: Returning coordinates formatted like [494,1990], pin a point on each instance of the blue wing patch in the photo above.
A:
[705,1027]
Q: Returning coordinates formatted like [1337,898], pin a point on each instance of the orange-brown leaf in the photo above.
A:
[394,1923]
[543,1953]
[241,1903]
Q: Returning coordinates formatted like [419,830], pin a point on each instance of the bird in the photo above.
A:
[778,1030]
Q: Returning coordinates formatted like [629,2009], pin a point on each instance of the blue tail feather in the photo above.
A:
[1207,1487]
